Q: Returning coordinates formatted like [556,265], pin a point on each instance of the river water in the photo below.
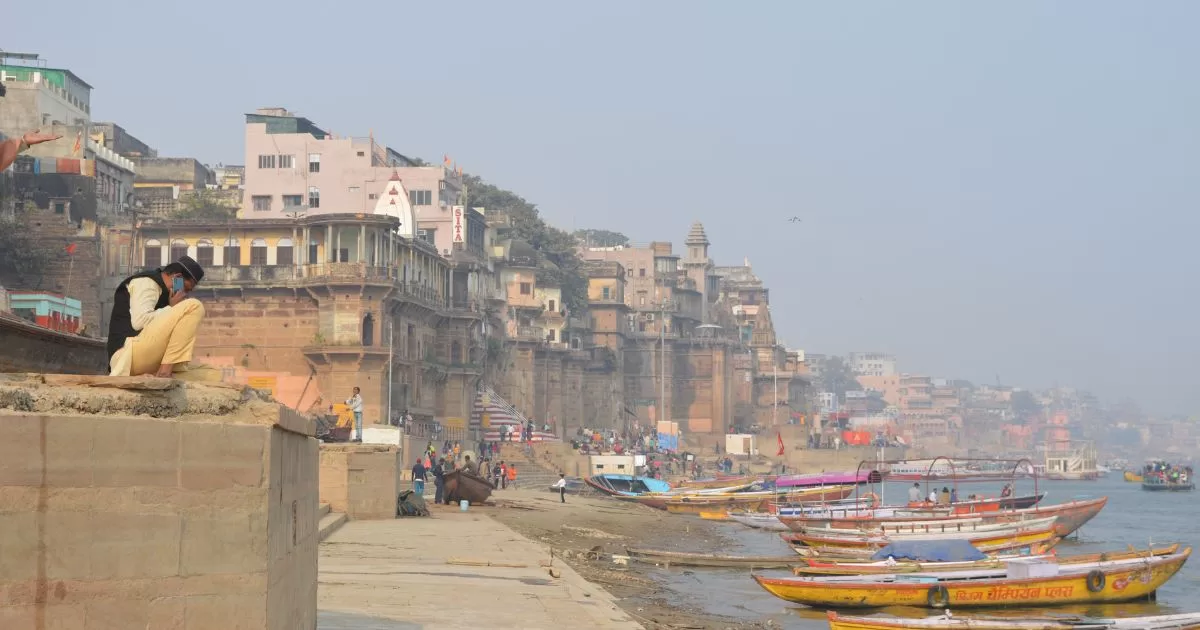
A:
[1132,517]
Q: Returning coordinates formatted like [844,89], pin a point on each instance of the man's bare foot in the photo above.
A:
[165,371]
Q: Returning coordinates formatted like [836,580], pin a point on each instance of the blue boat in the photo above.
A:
[627,485]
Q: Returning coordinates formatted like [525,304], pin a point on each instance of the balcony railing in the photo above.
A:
[530,333]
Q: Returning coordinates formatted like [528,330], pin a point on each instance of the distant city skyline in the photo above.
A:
[984,189]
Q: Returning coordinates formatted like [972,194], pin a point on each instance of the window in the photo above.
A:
[526,288]
[258,252]
[179,249]
[642,272]
[283,252]
[60,207]
[266,161]
[354,190]
[312,253]
[314,162]
[153,253]
[372,196]
[551,307]
[428,236]
[361,154]
[314,197]
[232,252]
[293,201]
[287,161]
[550,335]
[343,254]
[204,252]
[262,203]
[604,294]
[421,197]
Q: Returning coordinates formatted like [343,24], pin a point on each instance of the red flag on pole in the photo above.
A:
[779,436]
[70,249]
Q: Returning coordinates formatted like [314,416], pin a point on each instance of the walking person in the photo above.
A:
[503,475]
[355,403]
[439,481]
[512,476]
[418,478]
[561,484]
[497,474]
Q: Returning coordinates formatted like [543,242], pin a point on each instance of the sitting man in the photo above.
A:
[153,325]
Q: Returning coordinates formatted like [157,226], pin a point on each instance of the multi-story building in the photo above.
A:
[872,364]
[317,305]
[292,166]
[40,96]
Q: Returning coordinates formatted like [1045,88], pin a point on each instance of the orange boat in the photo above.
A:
[1070,516]
[1033,538]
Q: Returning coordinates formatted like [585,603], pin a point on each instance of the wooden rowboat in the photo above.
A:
[814,566]
[1133,477]
[769,522]
[991,544]
[720,482]
[751,501]
[1093,583]
[1187,621]
[875,539]
[460,484]
[686,559]
[1069,516]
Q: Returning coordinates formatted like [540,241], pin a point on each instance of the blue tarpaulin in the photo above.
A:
[931,551]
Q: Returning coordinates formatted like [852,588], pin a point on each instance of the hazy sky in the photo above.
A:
[1004,188]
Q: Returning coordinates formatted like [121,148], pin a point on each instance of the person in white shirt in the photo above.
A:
[933,496]
[914,493]
[561,484]
[355,403]
[154,322]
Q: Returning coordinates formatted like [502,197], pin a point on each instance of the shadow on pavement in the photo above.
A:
[350,621]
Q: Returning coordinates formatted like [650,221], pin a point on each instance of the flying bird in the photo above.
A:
[795,219]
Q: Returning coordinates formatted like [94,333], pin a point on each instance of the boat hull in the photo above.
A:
[1168,487]
[1069,517]
[826,567]
[750,502]
[686,559]
[985,543]
[1121,584]
[459,485]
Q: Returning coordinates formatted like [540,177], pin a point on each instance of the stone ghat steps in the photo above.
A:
[329,523]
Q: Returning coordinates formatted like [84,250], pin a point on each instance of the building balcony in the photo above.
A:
[535,334]
[327,352]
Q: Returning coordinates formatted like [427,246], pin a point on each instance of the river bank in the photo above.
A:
[598,527]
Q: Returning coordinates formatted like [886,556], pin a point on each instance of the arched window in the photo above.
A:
[152,253]
[284,252]
[258,252]
[232,253]
[179,249]
[368,330]
[204,252]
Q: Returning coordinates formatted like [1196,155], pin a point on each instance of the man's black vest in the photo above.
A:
[120,325]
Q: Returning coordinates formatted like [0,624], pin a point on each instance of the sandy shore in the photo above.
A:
[606,526]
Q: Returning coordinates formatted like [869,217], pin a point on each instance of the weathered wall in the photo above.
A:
[361,480]
[193,507]
[31,348]
[76,275]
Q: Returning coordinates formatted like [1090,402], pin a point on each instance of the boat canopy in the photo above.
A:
[931,551]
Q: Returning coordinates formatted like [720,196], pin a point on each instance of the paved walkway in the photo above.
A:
[394,575]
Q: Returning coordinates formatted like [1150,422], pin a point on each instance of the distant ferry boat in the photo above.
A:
[919,470]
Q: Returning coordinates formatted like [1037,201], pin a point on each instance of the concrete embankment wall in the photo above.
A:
[147,503]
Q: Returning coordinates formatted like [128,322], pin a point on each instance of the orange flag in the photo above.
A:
[779,436]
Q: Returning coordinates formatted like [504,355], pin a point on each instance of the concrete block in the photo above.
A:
[360,480]
[197,520]
[220,456]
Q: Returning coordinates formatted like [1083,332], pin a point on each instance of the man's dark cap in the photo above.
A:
[191,268]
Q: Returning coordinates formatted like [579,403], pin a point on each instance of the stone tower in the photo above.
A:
[697,264]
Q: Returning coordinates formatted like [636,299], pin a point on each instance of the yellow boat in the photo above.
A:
[820,566]
[1133,477]
[1102,582]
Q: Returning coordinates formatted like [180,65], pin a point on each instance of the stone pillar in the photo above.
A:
[362,243]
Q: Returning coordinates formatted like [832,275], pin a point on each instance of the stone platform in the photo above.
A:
[430,573]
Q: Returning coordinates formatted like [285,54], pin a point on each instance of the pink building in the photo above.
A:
[294,167]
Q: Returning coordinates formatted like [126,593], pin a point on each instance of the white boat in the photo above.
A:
[769,522]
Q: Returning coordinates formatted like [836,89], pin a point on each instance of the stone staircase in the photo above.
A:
[533,473]
[328,522]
